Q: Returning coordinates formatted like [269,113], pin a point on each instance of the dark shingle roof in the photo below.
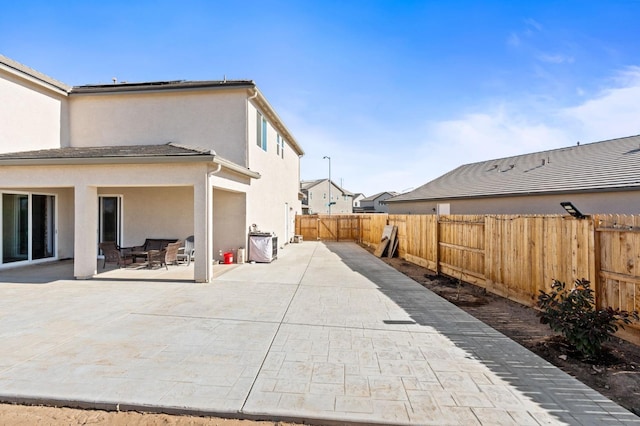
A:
[373,197]
[170,149]
[598,166]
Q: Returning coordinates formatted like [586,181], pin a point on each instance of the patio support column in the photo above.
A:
[85,245]
[203,230]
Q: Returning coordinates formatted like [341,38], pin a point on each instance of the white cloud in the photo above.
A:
[513,40]
[612,113]
[482,136]
[556,58]
[533,24]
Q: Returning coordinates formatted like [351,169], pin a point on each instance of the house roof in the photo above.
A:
[28,73]
[305,185]
[133,154]
[373,197]
[161,85]
[600,166]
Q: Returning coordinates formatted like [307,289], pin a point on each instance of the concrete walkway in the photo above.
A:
[327,333]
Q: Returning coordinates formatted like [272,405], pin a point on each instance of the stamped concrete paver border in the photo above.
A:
[327,333]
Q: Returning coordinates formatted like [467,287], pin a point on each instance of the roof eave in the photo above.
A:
[275,119]
[150,87]
[20,71]
[236,168]
[521,194]
[105,160]
[83,161]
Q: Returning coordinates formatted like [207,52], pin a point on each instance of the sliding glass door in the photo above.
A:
[110,218]
[28,227]
[42,226]
[15,227]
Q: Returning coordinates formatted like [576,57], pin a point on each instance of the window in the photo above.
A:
[264,133]
[110,218]
[278,145]
[259,130]
[281,147]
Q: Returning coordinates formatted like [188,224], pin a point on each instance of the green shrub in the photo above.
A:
[573,313]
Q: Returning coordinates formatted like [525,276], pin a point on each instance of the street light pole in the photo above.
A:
[329,158]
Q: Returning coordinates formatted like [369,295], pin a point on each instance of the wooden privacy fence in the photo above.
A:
[513,256]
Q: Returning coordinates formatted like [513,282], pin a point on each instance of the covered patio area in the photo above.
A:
[121,194]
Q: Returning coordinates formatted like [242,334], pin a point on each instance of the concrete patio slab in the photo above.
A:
[326,333]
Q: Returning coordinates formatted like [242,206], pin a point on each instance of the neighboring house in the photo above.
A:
[124,162]
[600,177]
[376,203]
[357,197]
[317,197]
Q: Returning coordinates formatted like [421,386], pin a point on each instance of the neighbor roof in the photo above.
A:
[373,197]
[600,166]
[305,185]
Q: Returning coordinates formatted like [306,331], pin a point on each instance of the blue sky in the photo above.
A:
[395,92]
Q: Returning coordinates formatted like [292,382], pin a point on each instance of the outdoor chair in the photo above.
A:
[166,256]
[186,252]
[112,254]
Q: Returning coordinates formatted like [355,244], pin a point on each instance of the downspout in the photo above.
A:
[246,157]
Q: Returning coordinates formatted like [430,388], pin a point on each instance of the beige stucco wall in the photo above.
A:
[229,222]
[211,119]
[31,116]
[276,192]
[623,202]
[153,212]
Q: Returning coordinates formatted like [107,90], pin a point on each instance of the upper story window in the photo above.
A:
[261,131]
[281,147]
[278,145]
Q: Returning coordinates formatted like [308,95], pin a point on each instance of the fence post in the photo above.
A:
[437,243]
[594,260]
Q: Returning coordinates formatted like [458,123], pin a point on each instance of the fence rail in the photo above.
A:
[514,256]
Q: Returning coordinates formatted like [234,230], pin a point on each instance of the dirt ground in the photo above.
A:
[617,375]
[21,415]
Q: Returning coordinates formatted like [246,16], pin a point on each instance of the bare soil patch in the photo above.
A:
[23,415]
[616,375]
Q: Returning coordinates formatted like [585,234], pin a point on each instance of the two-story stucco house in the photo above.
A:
[319,193]
[126,162]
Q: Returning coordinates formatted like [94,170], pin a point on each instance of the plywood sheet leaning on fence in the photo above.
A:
[381,247]
[385,240]
[393,242]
